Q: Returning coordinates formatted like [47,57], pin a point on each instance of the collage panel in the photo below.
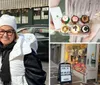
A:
[49,42]
[74,30]
[74,21]
[74,64]
[24,42]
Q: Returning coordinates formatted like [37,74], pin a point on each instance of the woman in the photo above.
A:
[90,8]
[19,64]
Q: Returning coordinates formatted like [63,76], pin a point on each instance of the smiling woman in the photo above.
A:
[7,31]
[19,64]
[7,35]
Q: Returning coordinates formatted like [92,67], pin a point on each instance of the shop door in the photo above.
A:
[91,62]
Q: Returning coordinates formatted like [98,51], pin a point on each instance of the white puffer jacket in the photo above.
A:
[16,58]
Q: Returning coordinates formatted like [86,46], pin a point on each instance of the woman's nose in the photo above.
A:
[5,34]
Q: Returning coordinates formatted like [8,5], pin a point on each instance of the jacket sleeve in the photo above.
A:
[34,73]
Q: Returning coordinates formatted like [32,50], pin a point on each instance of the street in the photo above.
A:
[46,68]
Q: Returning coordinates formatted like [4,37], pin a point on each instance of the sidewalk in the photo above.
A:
[54,76]
[79,83]
[75,80]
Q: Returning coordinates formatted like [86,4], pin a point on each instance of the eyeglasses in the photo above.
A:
[9,32]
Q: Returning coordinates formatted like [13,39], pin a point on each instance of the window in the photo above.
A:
[24,15]
[40,13]
[14,12]
[18,16]
[37,13]
[44,13]
[21,15]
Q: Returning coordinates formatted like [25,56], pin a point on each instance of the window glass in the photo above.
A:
[37,13]
[24,15]
[18,16]
[14,12]
[44,13]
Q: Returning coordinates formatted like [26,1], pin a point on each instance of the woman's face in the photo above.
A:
[7,34]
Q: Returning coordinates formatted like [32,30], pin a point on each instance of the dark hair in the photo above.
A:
[16,35]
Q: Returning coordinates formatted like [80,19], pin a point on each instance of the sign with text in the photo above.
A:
[65,72]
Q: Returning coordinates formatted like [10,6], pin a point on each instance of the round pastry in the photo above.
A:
[75,29]
[74,19]
[85,19]
[85,29]
[65,19]
[65,29]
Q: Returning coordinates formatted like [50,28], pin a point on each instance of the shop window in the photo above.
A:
[77,54]
[6,12]
[24,15]
[37,13]
[44,13]
[14,12]
[18,16]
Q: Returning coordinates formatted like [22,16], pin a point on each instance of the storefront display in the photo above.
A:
[83,59]
[77,54]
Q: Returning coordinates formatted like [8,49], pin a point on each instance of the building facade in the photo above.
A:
[84,59]
[27,12]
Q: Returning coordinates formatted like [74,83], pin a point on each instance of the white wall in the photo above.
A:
[91,69]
